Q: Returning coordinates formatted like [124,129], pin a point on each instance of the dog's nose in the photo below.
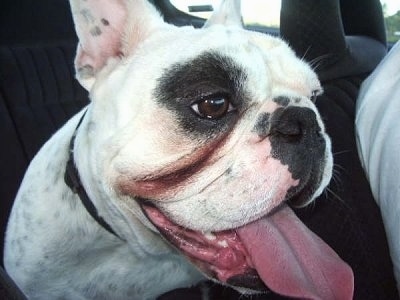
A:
[298,141]
[294,124]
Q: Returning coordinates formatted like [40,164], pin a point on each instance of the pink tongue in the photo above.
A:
[293,261]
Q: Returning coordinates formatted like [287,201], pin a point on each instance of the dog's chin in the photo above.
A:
[219,255]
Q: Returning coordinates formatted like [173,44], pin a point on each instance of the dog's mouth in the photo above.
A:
[277,252]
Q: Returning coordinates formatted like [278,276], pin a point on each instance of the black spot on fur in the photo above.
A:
[228,171]
[95,31]
[87,16]
[105,22]
[282,101]
[262,124]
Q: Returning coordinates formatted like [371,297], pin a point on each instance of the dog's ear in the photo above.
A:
[228,14]
[109,29]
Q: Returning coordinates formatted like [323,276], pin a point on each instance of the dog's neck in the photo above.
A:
[73,181]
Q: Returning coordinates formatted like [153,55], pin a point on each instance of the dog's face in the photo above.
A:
[228,133]
[204,132]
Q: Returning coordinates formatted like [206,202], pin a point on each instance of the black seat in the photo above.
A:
[38,92]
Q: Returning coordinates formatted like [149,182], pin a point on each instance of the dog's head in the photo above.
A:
[210,131]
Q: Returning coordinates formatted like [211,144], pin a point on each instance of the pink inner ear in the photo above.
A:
[100,25]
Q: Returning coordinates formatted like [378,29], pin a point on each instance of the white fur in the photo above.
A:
[54,249]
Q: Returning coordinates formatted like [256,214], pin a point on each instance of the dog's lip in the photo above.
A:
[219,255]
[287,258]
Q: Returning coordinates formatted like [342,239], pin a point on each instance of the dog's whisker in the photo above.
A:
[336,177]
[337,169]
[335,196]
[305,54]
[318,61]
[341,152]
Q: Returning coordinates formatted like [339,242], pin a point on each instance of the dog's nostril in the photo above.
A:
[294,122]
[292,128]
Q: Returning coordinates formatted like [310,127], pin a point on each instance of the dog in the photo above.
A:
[181,168]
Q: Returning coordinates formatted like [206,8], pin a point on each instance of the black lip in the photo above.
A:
[249,280]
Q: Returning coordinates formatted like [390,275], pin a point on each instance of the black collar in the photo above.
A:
[73,181]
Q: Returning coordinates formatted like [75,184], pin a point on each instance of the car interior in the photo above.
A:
[344,40]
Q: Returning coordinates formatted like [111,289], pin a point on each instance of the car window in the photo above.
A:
[256,13]
[391,12]
[259,14]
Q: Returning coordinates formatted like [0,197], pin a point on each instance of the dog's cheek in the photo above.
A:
[256,182]
[176,178]
[144,147]
[252,186]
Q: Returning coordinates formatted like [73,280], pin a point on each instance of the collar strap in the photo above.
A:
[73,181]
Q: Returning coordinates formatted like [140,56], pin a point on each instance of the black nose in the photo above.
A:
[294,124]
[297,141]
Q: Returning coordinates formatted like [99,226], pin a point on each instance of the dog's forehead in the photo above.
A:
[262,64]
[175,63]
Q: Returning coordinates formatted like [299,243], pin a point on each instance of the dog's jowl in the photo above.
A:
[183,166]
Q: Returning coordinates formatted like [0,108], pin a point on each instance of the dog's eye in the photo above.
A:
[213,108]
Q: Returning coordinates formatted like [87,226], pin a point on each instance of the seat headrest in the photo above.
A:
[27,22]
[338,37]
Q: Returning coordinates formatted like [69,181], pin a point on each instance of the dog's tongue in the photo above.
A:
[293,261]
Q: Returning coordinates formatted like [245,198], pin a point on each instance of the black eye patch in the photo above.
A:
[204,93]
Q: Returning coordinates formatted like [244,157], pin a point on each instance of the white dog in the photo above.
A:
[180,167]
[378,137]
